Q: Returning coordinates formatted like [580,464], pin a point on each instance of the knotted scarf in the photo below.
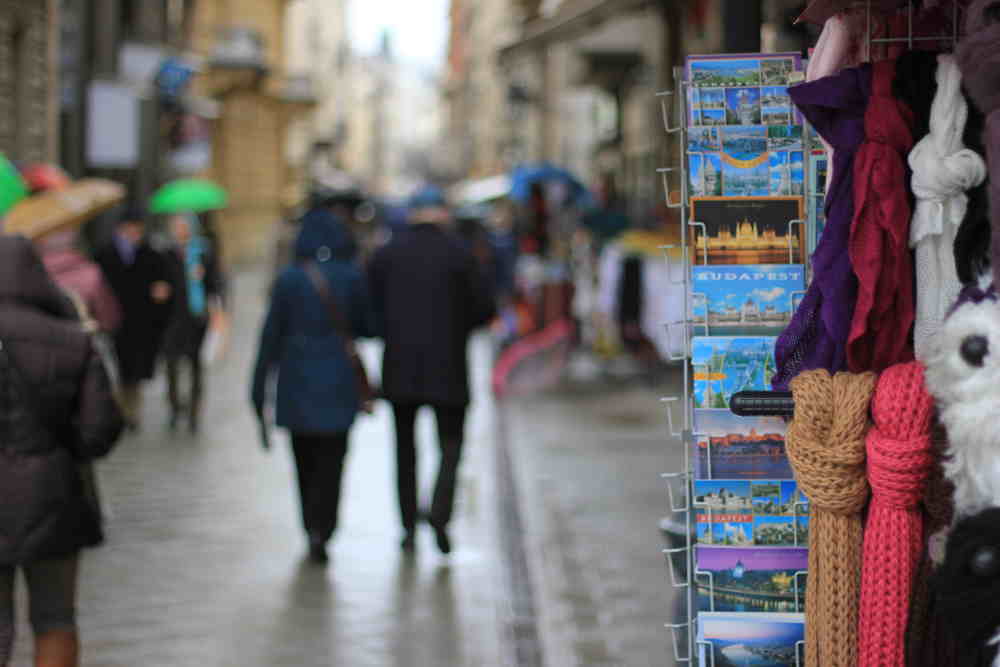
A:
[899,464]
[967,587]
[943,170]
[879,239]
[979,59]
[826,447]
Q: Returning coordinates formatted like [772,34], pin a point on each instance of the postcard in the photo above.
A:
[750,579]
[744,144]
[731,447]
[743,106]
[704,140]
[748,230]
[742,69]
[726,365]
[745,512]
[817,197]
[746,299]
[784,137]
[715,72]
[744,639]
[705,174]
[787,175]
[775,96]
[745,181]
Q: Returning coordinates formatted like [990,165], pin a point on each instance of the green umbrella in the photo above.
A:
[12,187]
[188,195]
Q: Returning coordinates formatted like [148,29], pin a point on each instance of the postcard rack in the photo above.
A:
[683,575]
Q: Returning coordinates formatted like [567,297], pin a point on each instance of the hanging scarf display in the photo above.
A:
[899,464]
[826,447]
[817,335]
[943,170]
[879,239]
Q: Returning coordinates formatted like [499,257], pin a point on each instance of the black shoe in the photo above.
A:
[409,543]
[443,541]
[317,552]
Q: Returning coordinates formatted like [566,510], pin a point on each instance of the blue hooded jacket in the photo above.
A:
[317,392]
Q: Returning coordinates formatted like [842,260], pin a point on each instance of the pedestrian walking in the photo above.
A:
[429,294]
[76,273]
[140,278]
[198,292]
[319,305]
[58,411]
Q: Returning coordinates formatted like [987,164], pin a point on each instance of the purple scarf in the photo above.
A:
[817,335]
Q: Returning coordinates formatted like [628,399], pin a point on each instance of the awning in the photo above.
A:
[569,22]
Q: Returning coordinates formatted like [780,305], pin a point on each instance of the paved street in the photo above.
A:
[203,564]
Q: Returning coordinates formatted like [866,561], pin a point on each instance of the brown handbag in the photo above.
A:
[366,391]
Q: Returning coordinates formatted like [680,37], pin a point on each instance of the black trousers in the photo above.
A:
[319,461]
[187,348]
[451,432]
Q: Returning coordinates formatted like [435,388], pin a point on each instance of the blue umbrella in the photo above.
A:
[524,176]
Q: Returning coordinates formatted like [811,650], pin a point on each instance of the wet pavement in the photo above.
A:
[204,560]
[203,564]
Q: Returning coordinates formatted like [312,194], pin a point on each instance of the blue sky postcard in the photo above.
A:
[704,140]
[787,173]
[746,299]
[716,72]
[730,447]
[746,639]
[751,579]
[726,365]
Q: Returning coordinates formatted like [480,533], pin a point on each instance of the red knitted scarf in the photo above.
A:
[899,465]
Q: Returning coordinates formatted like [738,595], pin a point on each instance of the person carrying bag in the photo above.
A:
[319,305]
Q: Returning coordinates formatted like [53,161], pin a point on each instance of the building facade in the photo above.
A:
[243,47]
[29,80]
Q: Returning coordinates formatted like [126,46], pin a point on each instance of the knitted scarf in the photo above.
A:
[943,170]
[826,447]
[968,585]
[899,464]
[880,256]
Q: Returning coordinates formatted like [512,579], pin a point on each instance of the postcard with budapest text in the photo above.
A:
[746,299]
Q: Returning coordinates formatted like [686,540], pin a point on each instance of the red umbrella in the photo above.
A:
[818,11]
[41,177]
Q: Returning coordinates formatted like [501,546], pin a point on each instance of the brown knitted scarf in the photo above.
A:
[826,447]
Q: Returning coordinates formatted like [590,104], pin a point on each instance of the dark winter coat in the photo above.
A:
[186,330]
[74,417]
[144,322]
[429,295]
[317,390]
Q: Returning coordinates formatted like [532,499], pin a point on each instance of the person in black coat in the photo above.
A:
[429,294]
[198,294]
[57,410]
[141,279]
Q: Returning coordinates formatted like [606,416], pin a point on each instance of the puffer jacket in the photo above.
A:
[57,411]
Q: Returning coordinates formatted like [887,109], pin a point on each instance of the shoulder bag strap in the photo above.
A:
[322,286]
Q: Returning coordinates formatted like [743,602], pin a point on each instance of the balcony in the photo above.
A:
[239,48]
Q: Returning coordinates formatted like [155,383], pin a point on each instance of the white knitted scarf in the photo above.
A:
[943,170]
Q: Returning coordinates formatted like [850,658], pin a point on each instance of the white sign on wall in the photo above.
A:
[113,121]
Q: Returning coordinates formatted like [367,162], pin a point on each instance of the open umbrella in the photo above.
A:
[40,177]
[12,187]
[188,195]
[523,177]
[55,210]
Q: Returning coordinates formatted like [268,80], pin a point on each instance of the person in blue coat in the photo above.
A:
[317,395]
